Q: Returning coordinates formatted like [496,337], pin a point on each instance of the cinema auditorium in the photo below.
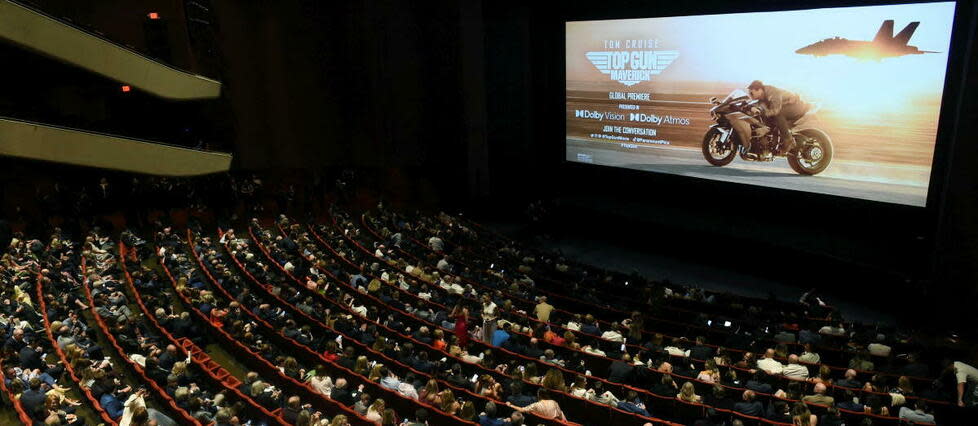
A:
[494,213]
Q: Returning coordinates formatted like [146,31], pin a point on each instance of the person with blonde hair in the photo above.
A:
[688,393]
[376,373]
[362,366]
[375,412]
[429,393]
[554,379]
[448,403]
[488,387]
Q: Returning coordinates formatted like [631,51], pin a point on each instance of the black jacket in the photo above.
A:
[620,372]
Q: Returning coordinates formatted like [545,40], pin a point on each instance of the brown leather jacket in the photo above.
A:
[775,99]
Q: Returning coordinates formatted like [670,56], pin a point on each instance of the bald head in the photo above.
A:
[850,374]
[769,353]
[820,388]
[792,359]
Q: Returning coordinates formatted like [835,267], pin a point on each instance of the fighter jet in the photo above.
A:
[884,45]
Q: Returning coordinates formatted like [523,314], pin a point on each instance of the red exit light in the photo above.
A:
[154,15]
[126,89]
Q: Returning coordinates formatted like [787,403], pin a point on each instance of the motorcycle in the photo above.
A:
[721,143]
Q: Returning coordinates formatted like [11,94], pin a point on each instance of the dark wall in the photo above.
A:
[126,22]
[358,83]
[884,252]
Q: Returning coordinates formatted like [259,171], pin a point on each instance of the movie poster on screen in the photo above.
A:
[871,79]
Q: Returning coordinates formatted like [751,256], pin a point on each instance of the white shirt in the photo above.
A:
[131,404]
[879,349]
[965,373]
[674,351]
[442,265]
[592,350]
[907,413]
[810,357]
[795,371]
[489,311]
[444,284]
[613,336]
[323,386]
[360,310]
[407,390]
[832,331]
[770,365]
[457,289]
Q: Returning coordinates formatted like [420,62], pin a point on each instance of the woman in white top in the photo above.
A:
[320,381]
[579,388]
[132,403]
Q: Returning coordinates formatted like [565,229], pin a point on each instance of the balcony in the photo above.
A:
[32,29]
[25,139]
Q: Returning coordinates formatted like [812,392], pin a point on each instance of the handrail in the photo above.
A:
[18,407]
[607,360]
[484,346]
[215,371]
[645,332]
[265,365]
[418,344]
[96,405]
[185,417]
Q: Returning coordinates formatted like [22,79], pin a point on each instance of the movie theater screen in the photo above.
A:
[841,101]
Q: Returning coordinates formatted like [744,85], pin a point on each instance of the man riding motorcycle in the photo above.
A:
[781,105]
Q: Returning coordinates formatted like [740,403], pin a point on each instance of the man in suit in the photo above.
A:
[849,402]
[757,383]
[250,379]
[621,370]
[590,326]
[168,358]
[30,358]
[341,394]
[819,397]
[850,380]
[749,406]
[701,351]
[33,399]
[15,342]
